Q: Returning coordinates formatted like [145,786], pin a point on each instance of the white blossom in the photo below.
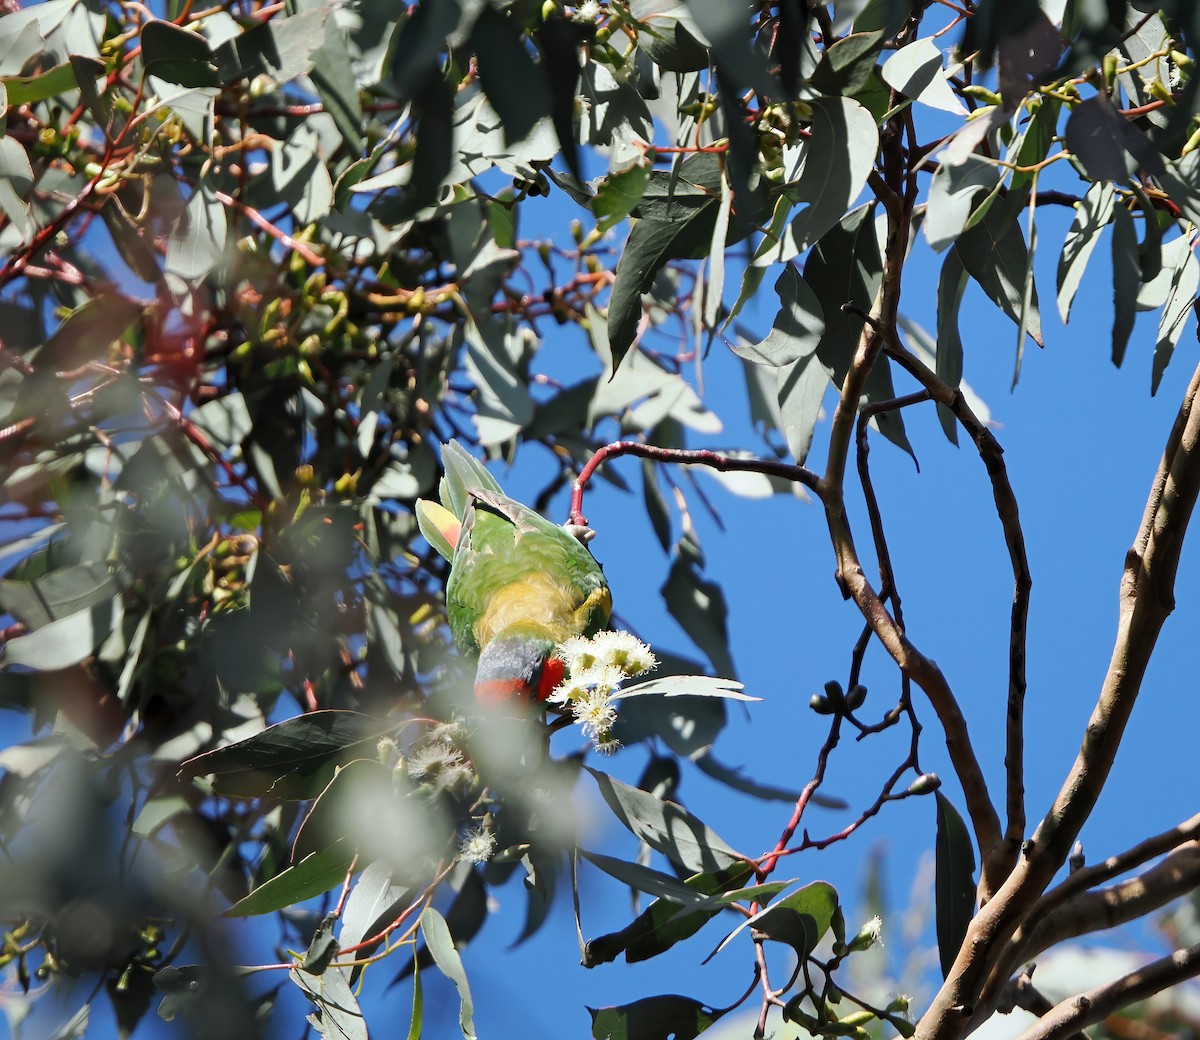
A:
[624,651]
[477,847]
[588,11]
[578,654]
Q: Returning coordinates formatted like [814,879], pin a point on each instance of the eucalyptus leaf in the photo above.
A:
[954,885]
[666,827]
[441,945]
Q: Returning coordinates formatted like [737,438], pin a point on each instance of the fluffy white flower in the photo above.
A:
[606,747]
[588,11]
[594,711]
[433,759]
[477,847]
[578,654]
[875,928]
[624,651]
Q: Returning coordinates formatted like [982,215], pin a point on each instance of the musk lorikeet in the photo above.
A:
[519,585]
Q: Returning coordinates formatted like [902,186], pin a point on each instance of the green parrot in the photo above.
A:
[519,585]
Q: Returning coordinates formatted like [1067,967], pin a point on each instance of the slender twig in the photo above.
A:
[1022,993]
[853,581]
[992,455]
[280,236]
[831,741]
[712,459]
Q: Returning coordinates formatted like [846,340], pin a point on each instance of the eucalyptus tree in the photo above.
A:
[263,262]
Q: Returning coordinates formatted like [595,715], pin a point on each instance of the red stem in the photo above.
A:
[682,456]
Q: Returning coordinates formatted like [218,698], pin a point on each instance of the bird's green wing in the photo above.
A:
[463,474]
[512,566]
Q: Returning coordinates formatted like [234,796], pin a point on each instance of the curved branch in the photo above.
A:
[682,456]
[992,455]
[850,575]
[1085,1009]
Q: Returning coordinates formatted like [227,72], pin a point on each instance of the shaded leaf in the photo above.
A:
[197,242]
[798,325]
[515,85]
[837,162]
[1176,311]
[333,75]
[1126,280]
[291,759]
[559,40]
[800,920]
[57,594]
[677,214]
[619,193]
[844,269]
[666,1017]
[337,1016]
[727,32]
[664,923]
[321,949]
[801,389]
[952,282]
[952,195]
[284,48]
[954,885]
[666,827]
[995,255]
[1093,133]
[644,879]
[177,55]
[67,641]
[23,90]
[846,66]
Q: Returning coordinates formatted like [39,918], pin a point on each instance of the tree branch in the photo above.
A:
[1114,866]
[1176,875]
[1078,1012]
[850,575]
[992,455]
[1146,599]
[681,456]
[1022,993]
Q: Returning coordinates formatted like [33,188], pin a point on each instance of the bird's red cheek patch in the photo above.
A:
[494,693]
[553,672]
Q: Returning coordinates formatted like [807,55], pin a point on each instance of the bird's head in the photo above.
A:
[517,667]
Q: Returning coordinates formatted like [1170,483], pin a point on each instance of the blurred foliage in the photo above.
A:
[260,261]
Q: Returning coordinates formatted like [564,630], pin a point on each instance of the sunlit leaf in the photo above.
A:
[441,945]
[310,877]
